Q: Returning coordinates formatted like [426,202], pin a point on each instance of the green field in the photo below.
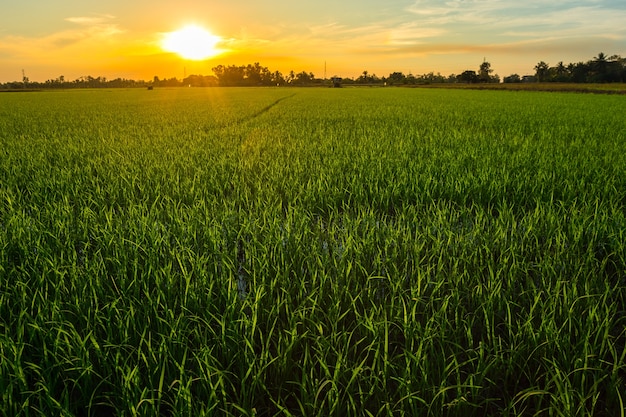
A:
[346,252]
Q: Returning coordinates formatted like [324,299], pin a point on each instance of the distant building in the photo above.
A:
[336,82]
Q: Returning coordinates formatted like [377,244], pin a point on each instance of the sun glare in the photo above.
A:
[191,42]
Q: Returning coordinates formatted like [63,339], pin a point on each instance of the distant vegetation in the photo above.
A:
[600,69]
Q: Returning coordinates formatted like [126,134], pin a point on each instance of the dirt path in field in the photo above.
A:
[264,109]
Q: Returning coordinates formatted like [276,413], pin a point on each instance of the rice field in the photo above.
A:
[312,252]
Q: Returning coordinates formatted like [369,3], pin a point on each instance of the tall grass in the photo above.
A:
[195,252]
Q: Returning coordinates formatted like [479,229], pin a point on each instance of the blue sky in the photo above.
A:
[121,38]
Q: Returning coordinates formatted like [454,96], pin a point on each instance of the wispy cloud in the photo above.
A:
[90,20]
[96,26]
[90,31]
[523,17]
[412,33]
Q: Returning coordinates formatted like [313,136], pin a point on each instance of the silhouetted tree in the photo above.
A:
[396,78]
[200,81]
[513,78]
[468,76]
[541,71]
[304,78]
[366,78]
[231,75]
[616,69]
[578,72]
[560,73]
[277,78]
[484,72]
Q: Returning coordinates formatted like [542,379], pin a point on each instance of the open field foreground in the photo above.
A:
[318,252]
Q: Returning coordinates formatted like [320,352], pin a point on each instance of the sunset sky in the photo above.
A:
[118,38]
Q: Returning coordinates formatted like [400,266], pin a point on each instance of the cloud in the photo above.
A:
[96,30]
[488,15]
[90,20]
[554,47]
[96,26]
[412,33]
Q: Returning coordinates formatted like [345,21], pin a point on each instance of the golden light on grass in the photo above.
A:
[192,42]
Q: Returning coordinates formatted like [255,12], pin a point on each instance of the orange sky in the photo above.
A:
[122,39]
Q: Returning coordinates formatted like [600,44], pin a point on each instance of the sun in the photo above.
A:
[191,42]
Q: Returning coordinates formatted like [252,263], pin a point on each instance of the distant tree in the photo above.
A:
[513,78]
[304,78]
[579,72]
[429,78]
[560,73]
[256,74]
[231,75]
[171,82]
[364,78]
[277,78]
[396,78]
[484,72]
[599,67]
[542,71]
[336,81]
[200,81]
[468,76]
[616,69]
[247,75]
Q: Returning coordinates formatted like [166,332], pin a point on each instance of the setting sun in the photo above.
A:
[191,42]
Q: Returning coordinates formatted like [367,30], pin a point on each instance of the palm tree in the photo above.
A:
[561,72]
[541,71]
[600,66]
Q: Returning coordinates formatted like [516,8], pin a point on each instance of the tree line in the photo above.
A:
[600,69]
[81,82]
